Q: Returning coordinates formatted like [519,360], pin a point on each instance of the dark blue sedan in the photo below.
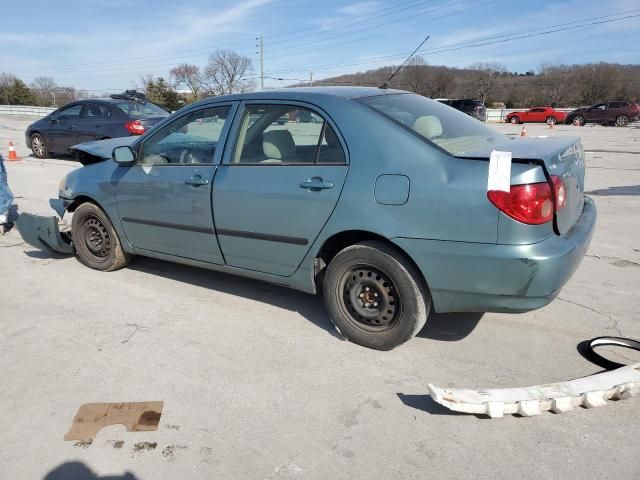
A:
[122,115]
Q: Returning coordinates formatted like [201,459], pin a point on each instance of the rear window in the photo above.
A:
[140,110]
[449,129]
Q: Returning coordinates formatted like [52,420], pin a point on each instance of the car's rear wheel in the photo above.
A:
[578,120]
[551,120]
[96,241]
[38,146]
[375,295]
[622,121]
[515,120]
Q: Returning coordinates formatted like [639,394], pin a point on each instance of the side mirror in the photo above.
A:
[123,155]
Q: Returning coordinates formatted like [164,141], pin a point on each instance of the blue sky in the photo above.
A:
[110,44]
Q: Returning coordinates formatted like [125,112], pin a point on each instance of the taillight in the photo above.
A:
[134,127]
[533,203]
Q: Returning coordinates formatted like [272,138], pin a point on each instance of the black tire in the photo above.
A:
[551,120]
[578,120]
[622,121]
[96,241]
[515,120]
[38,146]
[375,296]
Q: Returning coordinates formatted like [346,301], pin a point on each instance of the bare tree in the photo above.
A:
[414,75]
[44,88]
[599,82]
[229,72]
[189,77]
[484,78]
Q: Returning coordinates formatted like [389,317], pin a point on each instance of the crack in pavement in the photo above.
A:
[613,322]
[137,328]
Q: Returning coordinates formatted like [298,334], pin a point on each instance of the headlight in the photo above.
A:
[63,191]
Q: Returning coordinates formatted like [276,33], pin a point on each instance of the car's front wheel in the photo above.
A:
[375,296]
[578,120]
[96,241]
[39,146]
[622,121]
[515,120]
[551,120]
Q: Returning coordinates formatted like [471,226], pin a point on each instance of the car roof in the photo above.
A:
[306,93]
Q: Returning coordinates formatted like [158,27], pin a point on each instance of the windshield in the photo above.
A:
[448,128]
[141,110]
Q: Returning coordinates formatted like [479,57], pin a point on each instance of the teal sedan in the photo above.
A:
[378,199]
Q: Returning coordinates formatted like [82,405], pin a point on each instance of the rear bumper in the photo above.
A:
[476,277]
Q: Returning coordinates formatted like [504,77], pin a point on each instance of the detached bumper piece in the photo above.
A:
[43,233]
[591,391]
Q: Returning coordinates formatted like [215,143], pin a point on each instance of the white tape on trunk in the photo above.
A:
[499,171]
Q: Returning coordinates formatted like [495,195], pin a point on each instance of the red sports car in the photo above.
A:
[537,115]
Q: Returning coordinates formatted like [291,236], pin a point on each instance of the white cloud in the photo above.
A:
[361,8]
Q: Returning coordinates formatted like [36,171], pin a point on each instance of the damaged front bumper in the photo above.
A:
[44,233]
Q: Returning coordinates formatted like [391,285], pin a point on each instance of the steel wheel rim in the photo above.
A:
[96,238]
[37,145]
[578,121]
[514,120]
[551,121]
[622,121]
[369,298]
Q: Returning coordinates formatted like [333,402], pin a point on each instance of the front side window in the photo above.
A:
[286,135]
[190,139]
[70,113]
[446,127]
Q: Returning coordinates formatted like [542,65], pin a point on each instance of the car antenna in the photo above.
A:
[385,85]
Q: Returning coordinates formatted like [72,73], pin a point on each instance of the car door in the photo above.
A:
[61,131]
[277,186]
[92,124]
[596,113]
[164,199]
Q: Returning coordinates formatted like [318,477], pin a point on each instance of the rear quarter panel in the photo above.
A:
[447,198]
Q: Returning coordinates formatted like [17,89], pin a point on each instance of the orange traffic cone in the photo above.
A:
[523,133]
[12,153]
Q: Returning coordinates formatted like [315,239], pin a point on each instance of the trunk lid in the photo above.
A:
[561,157]
[149,122]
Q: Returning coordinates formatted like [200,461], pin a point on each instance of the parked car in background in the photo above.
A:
[379,202]
[547,115]
[619,113]
[121,115]
[475,108]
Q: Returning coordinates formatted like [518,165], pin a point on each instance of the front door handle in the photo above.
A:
[197,180]
[316,184]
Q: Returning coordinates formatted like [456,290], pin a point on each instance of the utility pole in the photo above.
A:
[260,51]
[311,79]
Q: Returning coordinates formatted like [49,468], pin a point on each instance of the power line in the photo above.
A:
[468,44]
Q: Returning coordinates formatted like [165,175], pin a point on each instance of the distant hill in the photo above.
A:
[557,85]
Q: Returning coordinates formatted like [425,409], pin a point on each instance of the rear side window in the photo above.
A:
[449,129]
[141,110]
[94,111]
[618,104]
[286,135]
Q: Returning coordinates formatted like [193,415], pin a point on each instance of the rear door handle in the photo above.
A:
[316,184]
[197,180]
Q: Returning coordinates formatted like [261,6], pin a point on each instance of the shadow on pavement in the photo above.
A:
[426,404]
[450,327]
[79,471]
[309,306]
[613,191]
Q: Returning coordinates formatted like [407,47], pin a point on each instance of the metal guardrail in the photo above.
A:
[25,110]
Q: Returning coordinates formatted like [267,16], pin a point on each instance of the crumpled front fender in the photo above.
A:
[43,233]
